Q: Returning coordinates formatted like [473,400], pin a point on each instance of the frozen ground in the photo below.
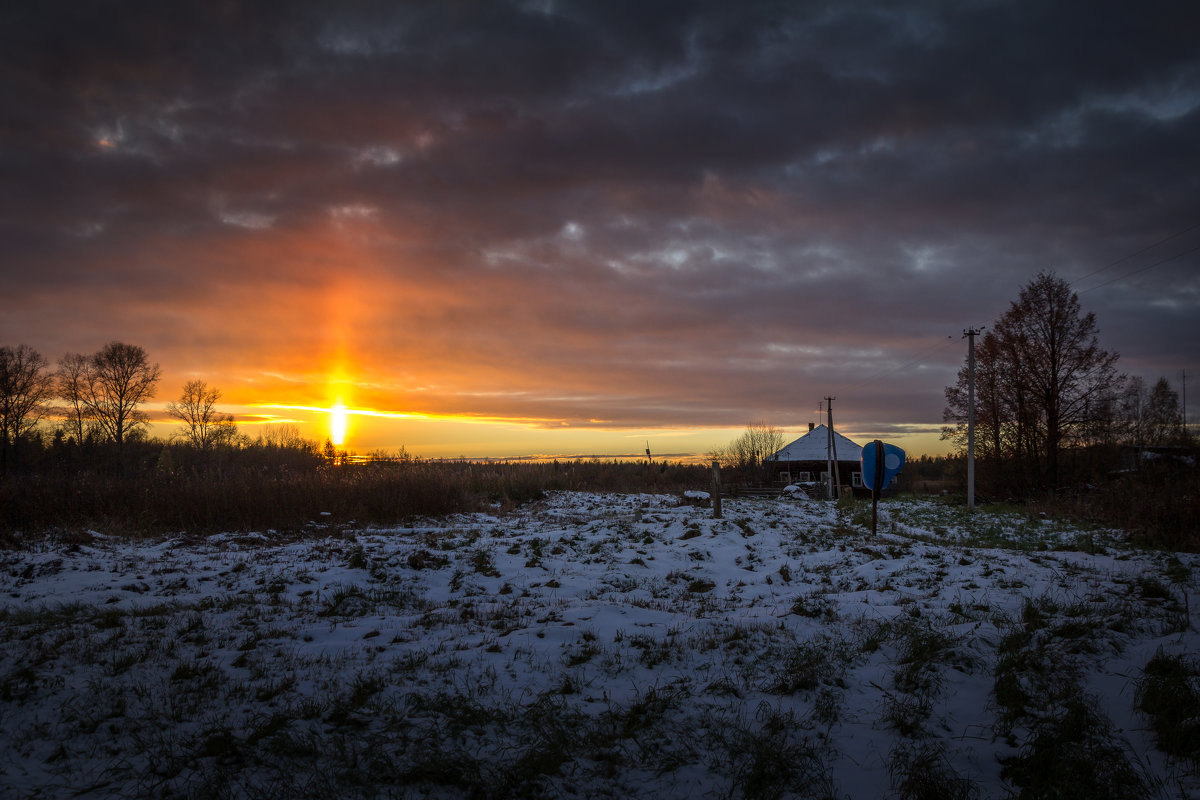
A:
[595,646]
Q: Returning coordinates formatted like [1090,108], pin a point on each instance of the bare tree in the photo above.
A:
[203,426]
[280,445]
[1133,411]
[1044,379]
[285,436]
[758,442]
[25,387]
[70,383]
[119,378]
[1163,414]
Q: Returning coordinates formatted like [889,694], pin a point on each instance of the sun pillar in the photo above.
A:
[337,423]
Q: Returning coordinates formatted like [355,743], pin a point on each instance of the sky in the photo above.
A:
[515,228]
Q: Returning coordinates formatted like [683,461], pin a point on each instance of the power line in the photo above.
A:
[1141,269]
[1138,253]
[920,356]
[939,345]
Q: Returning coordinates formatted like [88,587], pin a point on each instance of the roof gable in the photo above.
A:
[813,446]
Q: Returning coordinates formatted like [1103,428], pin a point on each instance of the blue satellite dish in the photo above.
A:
[880,461]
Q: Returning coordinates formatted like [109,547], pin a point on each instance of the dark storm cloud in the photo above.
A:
[687,213]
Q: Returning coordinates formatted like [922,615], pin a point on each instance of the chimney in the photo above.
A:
[810,427]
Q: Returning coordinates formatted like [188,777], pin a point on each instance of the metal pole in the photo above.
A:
[876,481]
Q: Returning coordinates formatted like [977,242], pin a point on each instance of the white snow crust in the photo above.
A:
[586,645]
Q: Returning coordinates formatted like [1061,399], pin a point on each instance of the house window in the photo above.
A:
[804,477]
[785,477]
[856,479]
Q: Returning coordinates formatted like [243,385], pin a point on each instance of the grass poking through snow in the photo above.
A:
[603,645]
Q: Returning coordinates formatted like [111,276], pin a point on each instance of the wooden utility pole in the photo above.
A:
[835,476]
[971,333]
[832,452]
[828,455]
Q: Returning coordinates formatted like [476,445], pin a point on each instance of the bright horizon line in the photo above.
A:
[531,439]
[480,419]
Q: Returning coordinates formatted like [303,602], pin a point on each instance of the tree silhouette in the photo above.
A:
[747,453]
[1041,378]
[203,426]
[70,382]
[1151,416]
[1163,414]
[25,387]
[119,378]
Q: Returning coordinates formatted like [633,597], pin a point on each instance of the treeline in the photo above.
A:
[97,400]
[88,415]
[1058,426]
[75,454]
[1050,407]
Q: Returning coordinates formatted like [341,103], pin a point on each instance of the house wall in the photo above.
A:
[847,470]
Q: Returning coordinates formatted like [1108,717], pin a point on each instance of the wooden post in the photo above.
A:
[829,459]
[716,490]
[836,476]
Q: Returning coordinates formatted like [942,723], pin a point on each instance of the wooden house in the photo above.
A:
[805,462]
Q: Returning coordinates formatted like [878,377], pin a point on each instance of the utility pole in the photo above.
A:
[828,453]
[1183,416]
[837,469]
[971,333]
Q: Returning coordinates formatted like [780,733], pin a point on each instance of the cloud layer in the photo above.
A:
[600,214]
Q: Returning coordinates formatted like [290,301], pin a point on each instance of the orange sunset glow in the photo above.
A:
[578,398]
[571,228]
[337,424]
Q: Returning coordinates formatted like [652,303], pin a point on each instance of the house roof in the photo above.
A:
[813,446]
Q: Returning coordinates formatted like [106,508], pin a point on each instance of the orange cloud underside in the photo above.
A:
[422,350]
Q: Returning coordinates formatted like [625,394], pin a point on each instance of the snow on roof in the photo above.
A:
[813,446]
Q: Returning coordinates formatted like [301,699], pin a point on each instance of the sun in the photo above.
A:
[337,424]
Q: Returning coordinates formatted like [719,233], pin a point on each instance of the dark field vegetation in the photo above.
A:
[1157,502]
[173,489]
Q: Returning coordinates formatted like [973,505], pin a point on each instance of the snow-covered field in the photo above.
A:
[595,646]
